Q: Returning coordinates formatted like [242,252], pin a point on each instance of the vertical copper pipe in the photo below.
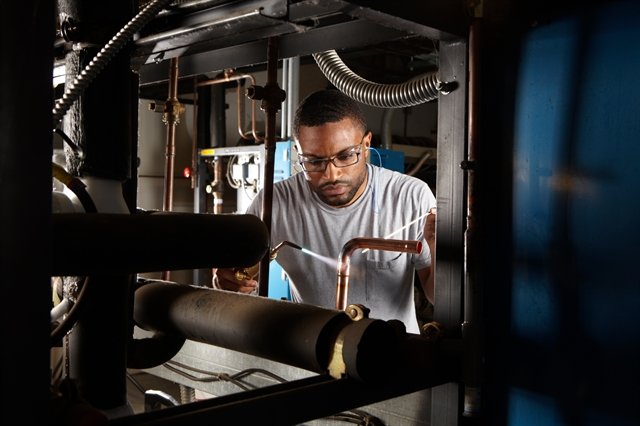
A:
[271,104]
[470,326]
[167,204]
[194,132]
[218,196]
[239,110]
[344,262]
[171,119]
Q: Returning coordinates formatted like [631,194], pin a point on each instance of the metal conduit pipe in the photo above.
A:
[297,334]
[84,79]
[413,92]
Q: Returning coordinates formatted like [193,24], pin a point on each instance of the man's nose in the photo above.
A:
[332,172]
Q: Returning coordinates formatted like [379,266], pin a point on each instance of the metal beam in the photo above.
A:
[340,36]
[450,193]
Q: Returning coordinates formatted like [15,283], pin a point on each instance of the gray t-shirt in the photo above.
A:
[380,280]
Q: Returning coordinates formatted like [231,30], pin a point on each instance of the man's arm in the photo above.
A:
[427,274]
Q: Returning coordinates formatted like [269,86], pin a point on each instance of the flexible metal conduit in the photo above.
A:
[413,92]
[102,58]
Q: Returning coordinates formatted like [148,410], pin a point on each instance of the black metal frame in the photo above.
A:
[340,25]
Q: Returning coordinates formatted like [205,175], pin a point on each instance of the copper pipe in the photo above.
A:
[170,119]
[228,77]
[342,288]
[218,196]
[271,101]
[194,132]
[471,325]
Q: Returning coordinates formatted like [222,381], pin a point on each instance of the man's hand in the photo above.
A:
[430,230]
[427,275]
[227,279]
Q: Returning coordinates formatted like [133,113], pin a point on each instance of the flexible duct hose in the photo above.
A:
[409,93]
[102,58]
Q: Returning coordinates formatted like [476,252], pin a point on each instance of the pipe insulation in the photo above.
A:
[413,92]
[296,334]
[115,243]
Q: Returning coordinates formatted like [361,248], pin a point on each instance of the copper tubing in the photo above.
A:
[270,104]
[170,153]
[171,118]
[228,77]
[342,288]
[471,326]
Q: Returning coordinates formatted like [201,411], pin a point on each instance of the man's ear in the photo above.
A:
[366,141]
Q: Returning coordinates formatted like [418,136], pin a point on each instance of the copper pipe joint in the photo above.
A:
[342,288]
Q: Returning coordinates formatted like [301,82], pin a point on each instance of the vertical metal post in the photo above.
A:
[97,345]
[25,246]
[450,190]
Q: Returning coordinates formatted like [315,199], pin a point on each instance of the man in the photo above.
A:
[339,196]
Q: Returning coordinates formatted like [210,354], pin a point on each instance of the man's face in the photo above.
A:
[340,141]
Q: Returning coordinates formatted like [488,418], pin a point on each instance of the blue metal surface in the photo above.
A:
[387,158]
[278,280]
[576,192]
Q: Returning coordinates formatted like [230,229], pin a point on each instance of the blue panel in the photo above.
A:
[576,192]
[532,409]
[278,280]
[387,158]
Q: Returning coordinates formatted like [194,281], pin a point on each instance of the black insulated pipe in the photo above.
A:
[296,334]
[124,243]
[291,333]
[301,335]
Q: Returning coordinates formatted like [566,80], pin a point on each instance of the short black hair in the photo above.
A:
[327,106]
